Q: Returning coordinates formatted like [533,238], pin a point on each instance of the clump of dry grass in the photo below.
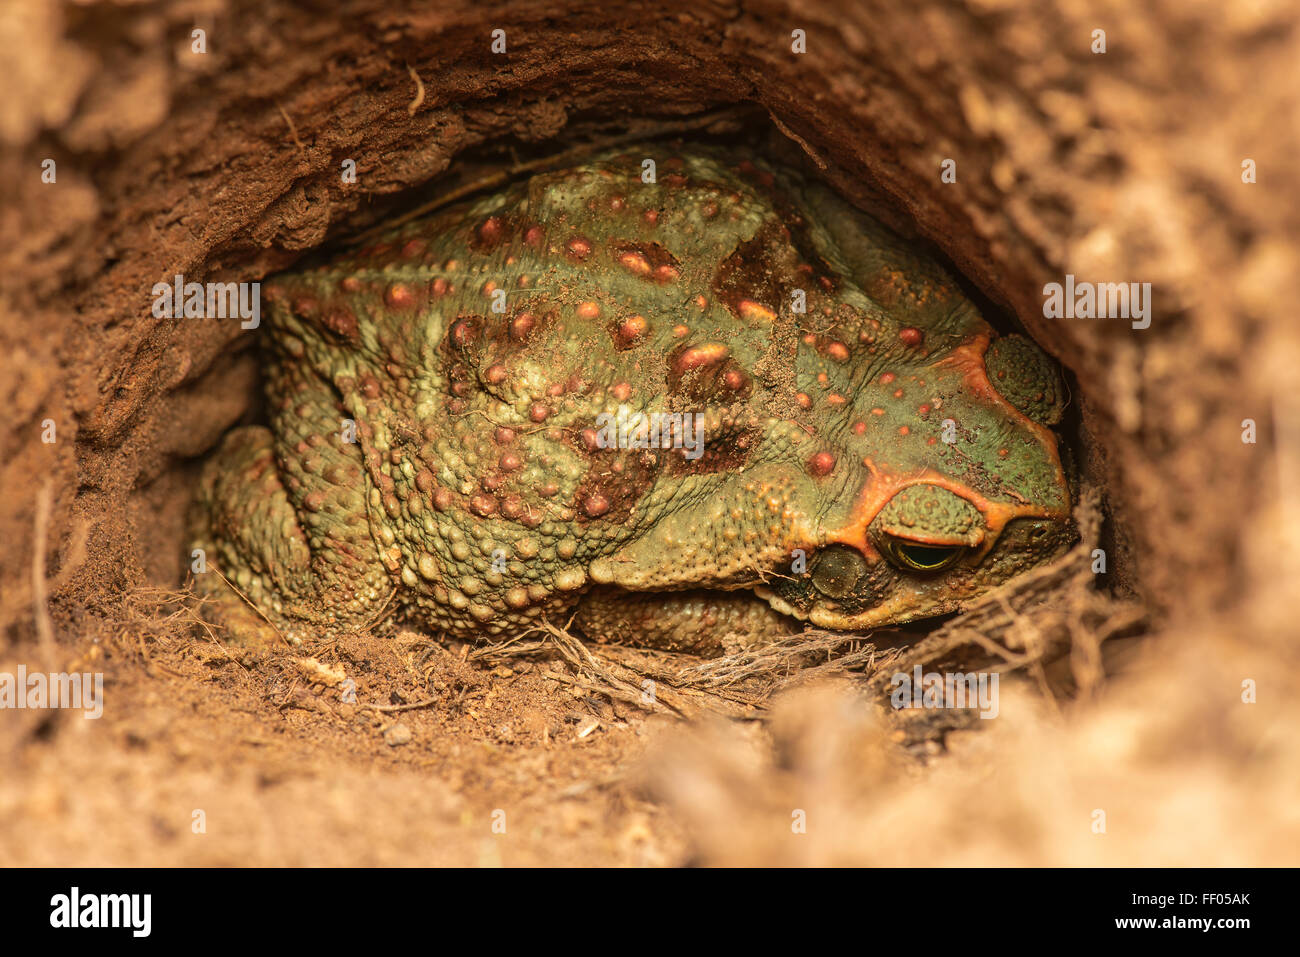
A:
[148,618]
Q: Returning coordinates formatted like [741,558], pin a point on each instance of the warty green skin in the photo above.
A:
[477,498]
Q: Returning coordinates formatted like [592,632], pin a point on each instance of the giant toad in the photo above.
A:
[691,412]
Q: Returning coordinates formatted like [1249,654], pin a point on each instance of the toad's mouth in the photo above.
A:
[902,580]
[905,580]
[708,620]
[831,615]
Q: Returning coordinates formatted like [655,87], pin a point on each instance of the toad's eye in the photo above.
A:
[919,557]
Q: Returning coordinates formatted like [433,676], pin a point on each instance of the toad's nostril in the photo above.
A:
[837,570]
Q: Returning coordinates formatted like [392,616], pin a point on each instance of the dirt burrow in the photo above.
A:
[224,165]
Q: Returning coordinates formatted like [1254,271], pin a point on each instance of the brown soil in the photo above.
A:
[1123,692]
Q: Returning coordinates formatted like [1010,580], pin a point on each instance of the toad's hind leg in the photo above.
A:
[698,621]
[291,535]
